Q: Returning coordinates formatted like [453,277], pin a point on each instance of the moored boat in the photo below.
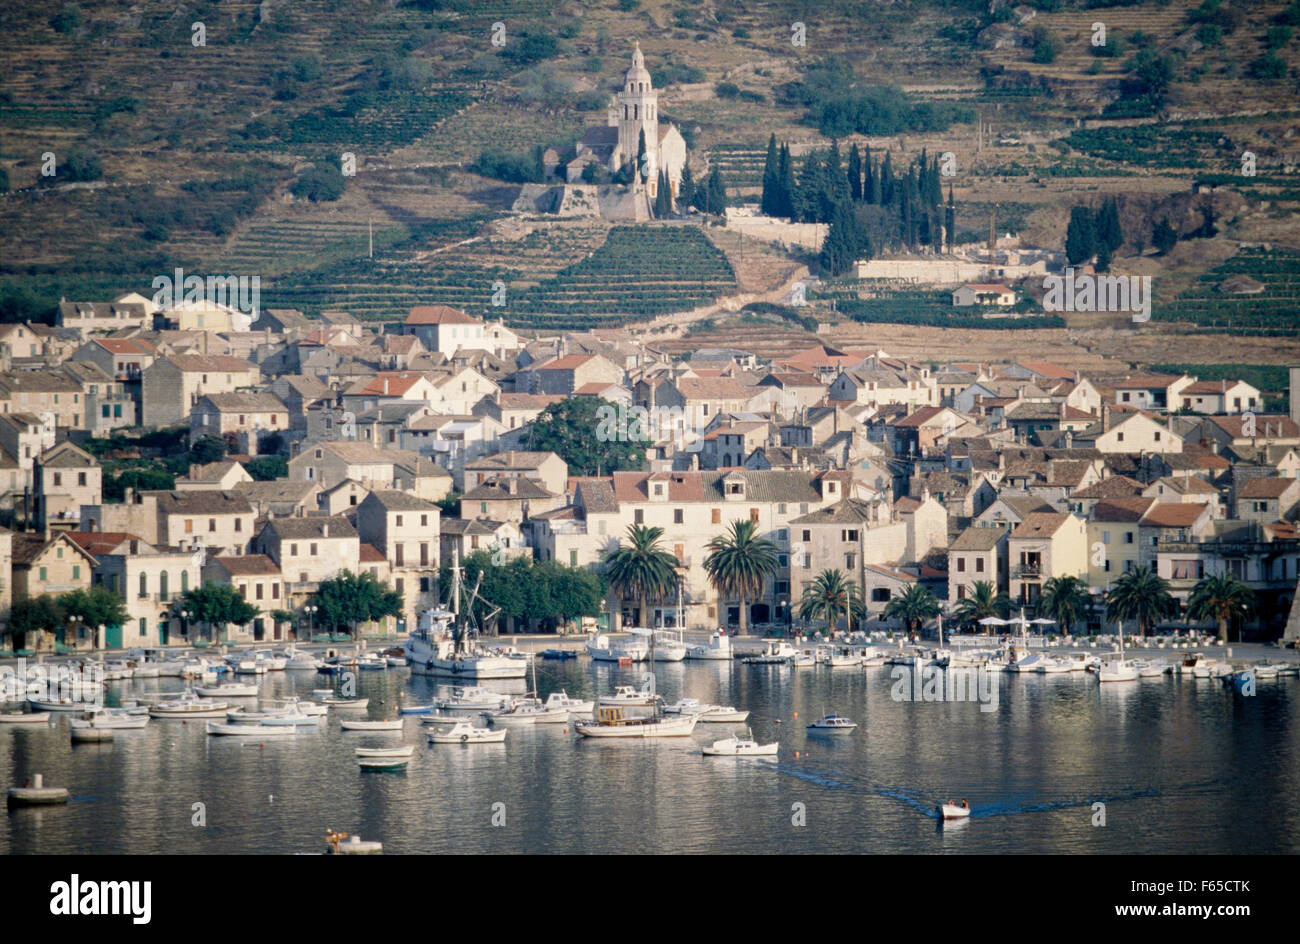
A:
[462,732]
[611,722]
[832,724]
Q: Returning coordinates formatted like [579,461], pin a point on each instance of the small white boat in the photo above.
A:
[393,725]
[527,713]
[216,728]
[832,724]
[804,660]
[297,720]
[741,747]
[1117,670]
[106,720]
[396,662]
[372,663]
[91,734]
[953,810]
[59,704]
[405,750]
[1153,668]
[299,660]
[336,702]
[723,714]
[1055,666]
[717,648]
[473,699]
[188,706]
[29,717]
[774,653]
[227,690]
[627,696]
[415,709]
[462,732]
[560,701]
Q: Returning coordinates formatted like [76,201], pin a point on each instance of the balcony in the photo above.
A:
[1023,571]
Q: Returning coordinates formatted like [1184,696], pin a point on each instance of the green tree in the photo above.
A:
[96,606]
[216,604]
[663,207]
[768,203]
[984,600]
[1064,599]
[1163,237]
[830,596]
[207,449]
[267,468]
[350,599]
[641,568]
[566,428]
[855,174]
[1224,599]
[1109,230]
[739,564]
[914,606]
[322,182]
[1080,236]
[33,615]
[1140,595]
[686,190]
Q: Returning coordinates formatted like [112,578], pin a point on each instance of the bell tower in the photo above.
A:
[638,111]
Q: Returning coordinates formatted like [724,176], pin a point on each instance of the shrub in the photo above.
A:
[323,181]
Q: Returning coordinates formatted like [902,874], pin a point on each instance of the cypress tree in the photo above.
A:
[1080,236]
[855,175]
[886,182]
[950,221]
[686,189]
[870,188]
[663,197]
[785,187]
[1109,231]
[808,189]
[641,169]
[768,204]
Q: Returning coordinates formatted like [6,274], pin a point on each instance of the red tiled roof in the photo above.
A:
[438,315]
[1173,514]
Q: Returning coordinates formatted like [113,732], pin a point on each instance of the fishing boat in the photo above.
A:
[626,696]
[604,648]
[462,732]
[1051,666]
[60,704]
[372,662]
[611,722]
[668,646]
[717,648]
[405,750]
[216,728]
[526,713]
[100,719]
[953,810]
[448,642]
[91,735]
[385,725]
[188,705]
[227,690]
[774,653]
[28,717]
[832,724]
[248,665]
[1121,669]
[805,659]
[737,746]
[293,719]
[574,706]
[1152,668]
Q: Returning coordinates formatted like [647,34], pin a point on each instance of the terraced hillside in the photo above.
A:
[1257,290]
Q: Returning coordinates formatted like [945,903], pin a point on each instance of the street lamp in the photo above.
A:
[74,620]
[789,617]
[185,624]
[310,611]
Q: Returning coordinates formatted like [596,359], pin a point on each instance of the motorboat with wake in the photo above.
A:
[741,747]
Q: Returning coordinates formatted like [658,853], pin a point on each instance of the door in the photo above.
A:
[113,637]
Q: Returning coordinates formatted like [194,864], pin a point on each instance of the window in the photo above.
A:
[293,550]
[275,591]
[1128,537]
[58,479]
[849,534]
[482,507]
[678,516]
[979,565]
[753,515]
[185,580]
[879,594]
[1119,437]
[717,516]
[1105,537]
[43,577]
[573,558]
[162,586]
[638,516]
[144,626]
[424,554]
[239,524]
[76,571]
[144,585]
[81,479]
[424,521]
[399,521]
[961,565]
[850,561]
[780,508]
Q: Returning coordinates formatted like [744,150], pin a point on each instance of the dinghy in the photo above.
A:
[382,763]
[227,690]
[335,702]
[404,751]
[415,709]
[953,810]
[251,730]
[393,725]
[29,717]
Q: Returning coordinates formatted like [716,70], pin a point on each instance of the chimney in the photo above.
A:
[1105,417]
[1069,439]
[325,529]
[1062,409]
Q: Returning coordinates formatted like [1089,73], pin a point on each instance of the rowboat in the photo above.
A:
[382,763]
[335,702]
[109,722]
[59,704]
[227,690]
[405,751]
[953,810]
[393,725]
[187,706]
[29,717]
[91,735]
[251,730]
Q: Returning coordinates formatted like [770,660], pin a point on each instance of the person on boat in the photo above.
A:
[964,804]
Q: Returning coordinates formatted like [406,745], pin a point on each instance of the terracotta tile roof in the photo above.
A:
[1040,524]
[1173,514]
[249,565]
[438,315]
[1265,488]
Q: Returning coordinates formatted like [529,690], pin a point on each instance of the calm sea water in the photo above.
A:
[1183,766]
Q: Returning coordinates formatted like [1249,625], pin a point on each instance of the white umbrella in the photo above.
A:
[993,621]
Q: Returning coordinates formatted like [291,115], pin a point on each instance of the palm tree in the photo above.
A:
[1064,599]
[1222,598]
[984,601]
[739,564]
[916,605]
[641,568]
[830,595]
[1141,595]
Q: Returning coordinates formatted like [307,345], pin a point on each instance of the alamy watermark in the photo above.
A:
[240,292]
[954,684]
[1086,292]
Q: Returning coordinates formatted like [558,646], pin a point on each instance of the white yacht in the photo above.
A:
[832,724]
[300,659]
[668,646]
[440,647]
[1121,669]
[718,647]
[740,747]
[188,705]
[472,699]
[462,732]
